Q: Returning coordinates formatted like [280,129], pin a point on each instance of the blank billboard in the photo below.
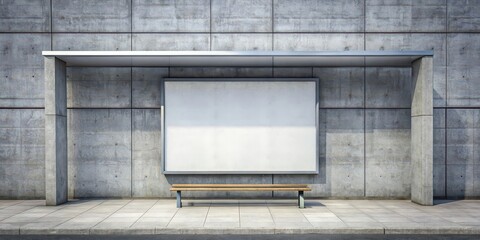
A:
[240,127]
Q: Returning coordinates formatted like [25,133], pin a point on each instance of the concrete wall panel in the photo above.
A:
[91,16]
[460,180]
[463,129]
[405,16]
[170,42]
[387,152]
[99,152]
[241,42]
[22,154]
[341,87]
[147,180]
[21,69]
[388,88]
[318,16]
[463,79]
[463,16]
[91,42]
[25,16]
[90,87]
[318,42]
[146,87]
[241,16]
[460,136]
[171,16]
[23,50]
[418,41]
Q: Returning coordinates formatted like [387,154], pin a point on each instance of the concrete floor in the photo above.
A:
[152,216]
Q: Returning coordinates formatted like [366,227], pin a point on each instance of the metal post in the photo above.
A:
[301,200]
[179,199]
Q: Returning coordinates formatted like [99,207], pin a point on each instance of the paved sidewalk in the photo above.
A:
[154,216]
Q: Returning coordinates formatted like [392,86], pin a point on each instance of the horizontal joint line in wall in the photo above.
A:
[208,33]
[22,107]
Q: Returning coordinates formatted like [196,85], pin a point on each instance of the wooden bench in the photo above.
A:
[300,188]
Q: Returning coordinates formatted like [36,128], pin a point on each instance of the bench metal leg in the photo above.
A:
[179,199]
[301,200]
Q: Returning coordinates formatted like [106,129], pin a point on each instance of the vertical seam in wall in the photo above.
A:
[273,74]
[446,94]
[131,102]
[273,32]
[210,40]
[51,25]
[364,102]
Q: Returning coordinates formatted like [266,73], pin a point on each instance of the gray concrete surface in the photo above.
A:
[55,131]
[449,27]
[229,216]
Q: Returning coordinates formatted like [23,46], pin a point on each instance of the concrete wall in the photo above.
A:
[113,114]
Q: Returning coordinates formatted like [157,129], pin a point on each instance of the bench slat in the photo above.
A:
[239,189]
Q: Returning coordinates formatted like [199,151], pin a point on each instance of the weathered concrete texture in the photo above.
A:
[388,87]
[146,87]
[422,131]
[166,42]
[22,153]
[90,87]
[341,149]
[463,79]
[460,181]
[22,50]
[91,42]
[439,180]
[241,42]
[341,87]
[206,72]
[463,158]
[318,16]
[55,159]
[21,69]
[25,16]
[91,16]
[241,16]
[461,131]
[171,16]
[405,16]
[463,16]
[99,152]
[21,87]
[439,152]
[418,41]
[387,153]
[147,180]
[318,42]
[55,131]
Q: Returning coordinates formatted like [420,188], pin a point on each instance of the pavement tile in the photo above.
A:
[358,219]
[221,225]
[324,219]
[222,219]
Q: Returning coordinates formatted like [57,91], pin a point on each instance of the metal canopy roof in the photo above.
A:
[238,58]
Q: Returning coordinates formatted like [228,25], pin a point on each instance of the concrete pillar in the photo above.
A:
[422,131]
[55,131]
